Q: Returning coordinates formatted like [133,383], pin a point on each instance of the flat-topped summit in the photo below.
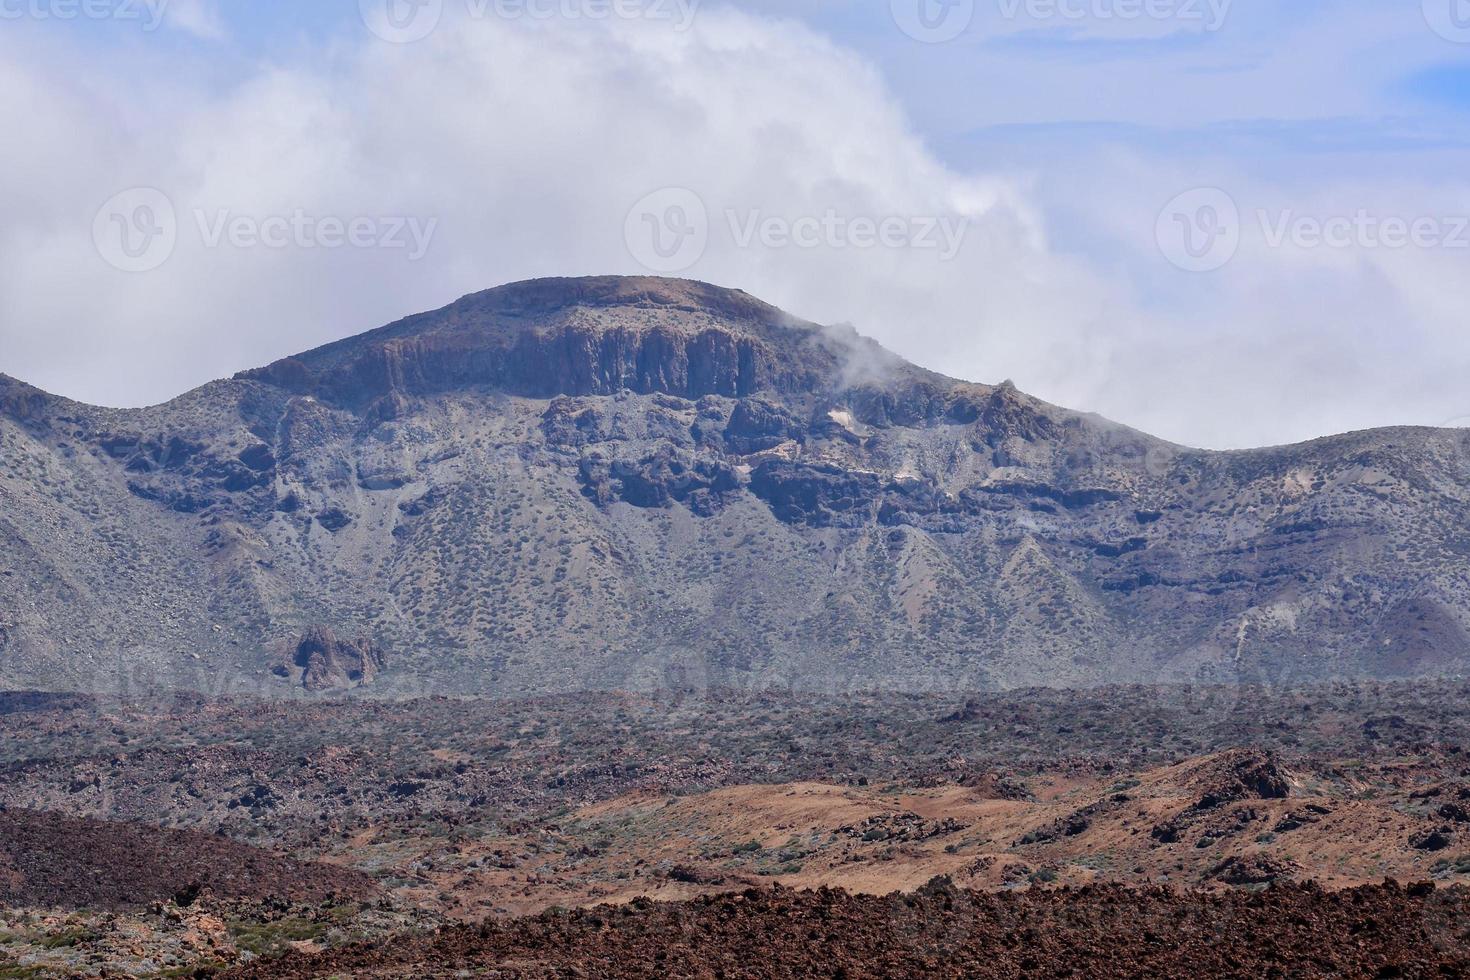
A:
[533,297]
[574,337]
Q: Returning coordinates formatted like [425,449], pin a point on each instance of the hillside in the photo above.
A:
[640,483]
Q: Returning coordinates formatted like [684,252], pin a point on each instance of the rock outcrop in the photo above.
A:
[325,663]
[1241,774]
[19,400]
[681,346]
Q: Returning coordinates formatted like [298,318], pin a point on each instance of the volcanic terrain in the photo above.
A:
[645,483]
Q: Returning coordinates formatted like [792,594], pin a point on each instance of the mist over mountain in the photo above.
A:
[648,483]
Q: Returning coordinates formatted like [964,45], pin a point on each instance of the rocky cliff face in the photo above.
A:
[639,482]
[569,337]
[20,401]
[322,662]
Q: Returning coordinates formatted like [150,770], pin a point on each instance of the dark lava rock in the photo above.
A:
[757,425]
[1436,839]
[1168,832]
[942,931]
[694,876]
[659,479]
[21,401]
[573,422]
[1243,775]
[1072,825]
[1253,870]
[816,495]
[327,663]
[258,458]
[50,860]
[1296,820]
[1457,812]
[333,519]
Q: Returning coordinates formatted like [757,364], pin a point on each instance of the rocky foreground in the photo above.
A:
[47,859]
[943,931]
[182,836]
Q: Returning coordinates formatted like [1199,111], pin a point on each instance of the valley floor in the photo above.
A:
[1119,832]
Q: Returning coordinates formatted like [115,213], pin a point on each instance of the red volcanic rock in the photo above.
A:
[942,931]
[50,860]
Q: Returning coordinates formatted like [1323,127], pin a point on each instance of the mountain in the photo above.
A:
[598,483]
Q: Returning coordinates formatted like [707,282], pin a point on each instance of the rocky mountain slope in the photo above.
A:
[600,483]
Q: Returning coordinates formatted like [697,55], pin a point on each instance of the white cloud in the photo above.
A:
[528,142]
[197,17]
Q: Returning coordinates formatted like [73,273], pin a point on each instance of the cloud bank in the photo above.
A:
[354,181]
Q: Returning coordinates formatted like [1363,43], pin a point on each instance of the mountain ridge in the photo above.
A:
[551,337]
[560,293]
[638,482]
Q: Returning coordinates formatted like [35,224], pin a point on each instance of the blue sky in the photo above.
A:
[1059,131]
[1060,72]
